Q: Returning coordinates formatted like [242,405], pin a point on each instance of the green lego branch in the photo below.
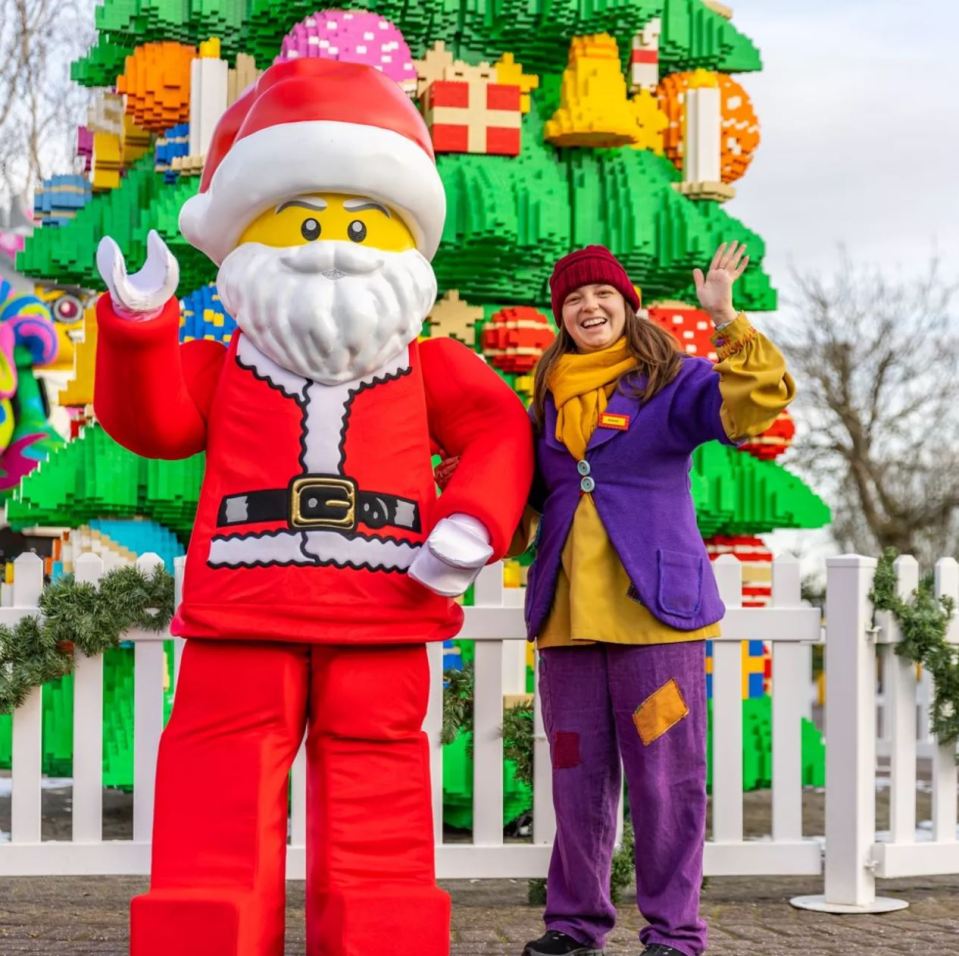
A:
[508,220]
[538,33]
[94,477]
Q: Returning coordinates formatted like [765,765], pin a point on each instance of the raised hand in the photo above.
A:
[144,293]
[715,289]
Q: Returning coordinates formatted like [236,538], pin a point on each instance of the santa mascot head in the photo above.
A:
[321,203]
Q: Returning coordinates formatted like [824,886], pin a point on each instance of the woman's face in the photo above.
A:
[595,316]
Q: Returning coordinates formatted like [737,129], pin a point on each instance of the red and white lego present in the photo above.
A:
[472,116]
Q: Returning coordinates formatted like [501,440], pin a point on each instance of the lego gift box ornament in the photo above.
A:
[473,116]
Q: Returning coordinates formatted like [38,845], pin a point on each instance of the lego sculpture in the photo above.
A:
[28,340]
[321,561]
[516,102]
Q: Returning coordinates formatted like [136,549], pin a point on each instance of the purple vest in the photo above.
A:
[641,488]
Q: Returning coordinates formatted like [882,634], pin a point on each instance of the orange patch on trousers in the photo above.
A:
[660,711]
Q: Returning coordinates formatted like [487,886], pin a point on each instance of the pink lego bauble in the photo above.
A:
[353,36]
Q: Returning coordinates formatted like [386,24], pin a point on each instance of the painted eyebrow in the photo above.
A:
[318,204]
[356,205]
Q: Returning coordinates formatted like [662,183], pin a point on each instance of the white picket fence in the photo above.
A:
[854,854]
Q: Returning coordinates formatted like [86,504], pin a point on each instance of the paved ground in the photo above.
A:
[70,916]
[747,916]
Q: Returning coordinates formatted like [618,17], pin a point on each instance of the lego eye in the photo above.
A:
[356,231]
[67,309]
[310,230]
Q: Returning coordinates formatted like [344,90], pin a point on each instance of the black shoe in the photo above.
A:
[660,949]
[553,943]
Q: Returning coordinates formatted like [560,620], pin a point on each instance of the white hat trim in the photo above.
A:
[291,159]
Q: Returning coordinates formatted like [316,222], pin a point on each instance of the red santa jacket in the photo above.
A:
[315,498]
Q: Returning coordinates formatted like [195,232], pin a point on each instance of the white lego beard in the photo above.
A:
[329,311]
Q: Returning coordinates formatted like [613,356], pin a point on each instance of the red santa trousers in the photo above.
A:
[217,886]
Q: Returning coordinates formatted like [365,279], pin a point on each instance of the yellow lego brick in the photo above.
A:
[79,390]
[512,575]
[210,48]
[594,109]
[651,123]
[453,317]
[510,73]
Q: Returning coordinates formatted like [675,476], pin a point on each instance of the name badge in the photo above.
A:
[619,422]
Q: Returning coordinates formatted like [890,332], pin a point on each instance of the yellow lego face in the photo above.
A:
[66,310]
[315,217]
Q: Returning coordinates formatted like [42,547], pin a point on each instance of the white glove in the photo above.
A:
[455,552]
[142,295]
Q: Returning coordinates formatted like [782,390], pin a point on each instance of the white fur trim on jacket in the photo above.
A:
[293,159]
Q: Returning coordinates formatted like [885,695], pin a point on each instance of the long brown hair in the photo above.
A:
[657,355]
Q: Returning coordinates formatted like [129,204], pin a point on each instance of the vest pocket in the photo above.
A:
[680,589]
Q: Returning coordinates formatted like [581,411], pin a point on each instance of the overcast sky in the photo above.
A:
[858,102]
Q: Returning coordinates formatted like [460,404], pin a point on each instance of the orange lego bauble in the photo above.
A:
[156,80]
[740,126]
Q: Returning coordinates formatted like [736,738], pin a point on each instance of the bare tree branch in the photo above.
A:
[877,359]
[40,106]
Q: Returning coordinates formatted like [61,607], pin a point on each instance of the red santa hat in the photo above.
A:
[310,126]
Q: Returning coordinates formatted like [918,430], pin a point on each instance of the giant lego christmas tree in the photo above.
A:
[556,124]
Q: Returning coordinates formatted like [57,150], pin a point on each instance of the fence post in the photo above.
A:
[149,663]
[899,712]
[944,755]
[27,749]
[488,720]
[790,668]
[433,726]
[728,714]
[544,816]
[850,883]
[88,727]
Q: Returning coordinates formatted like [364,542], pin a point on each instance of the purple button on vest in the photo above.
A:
[642,494]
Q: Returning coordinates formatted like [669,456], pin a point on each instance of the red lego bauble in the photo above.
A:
[692,328]
[757,565]
[515,338]
[774,440]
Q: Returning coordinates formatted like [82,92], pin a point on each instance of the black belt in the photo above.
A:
[320,501]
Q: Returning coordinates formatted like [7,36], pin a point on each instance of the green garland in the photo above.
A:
[923,622]
[79,617]
[457,702]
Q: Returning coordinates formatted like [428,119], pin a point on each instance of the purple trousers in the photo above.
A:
[645,704]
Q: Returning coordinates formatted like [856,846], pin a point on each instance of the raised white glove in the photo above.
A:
[453,555]
[142,295]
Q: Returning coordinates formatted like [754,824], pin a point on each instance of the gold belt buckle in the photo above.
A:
[332,495]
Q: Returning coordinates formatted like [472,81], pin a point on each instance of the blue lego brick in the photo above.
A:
[141,537]
[202,316]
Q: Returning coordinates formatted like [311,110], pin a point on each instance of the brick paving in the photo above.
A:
[71,916]
[747,916]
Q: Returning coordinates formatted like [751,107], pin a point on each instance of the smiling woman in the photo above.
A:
[305,219]
[621,595]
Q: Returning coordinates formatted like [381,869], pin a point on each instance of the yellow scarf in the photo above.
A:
[581,383]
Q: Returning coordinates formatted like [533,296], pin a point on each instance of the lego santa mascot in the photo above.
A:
[321,560]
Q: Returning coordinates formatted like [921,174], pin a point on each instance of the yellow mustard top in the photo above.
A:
[594,603]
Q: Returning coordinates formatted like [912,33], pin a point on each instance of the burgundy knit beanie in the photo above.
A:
[593,264]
